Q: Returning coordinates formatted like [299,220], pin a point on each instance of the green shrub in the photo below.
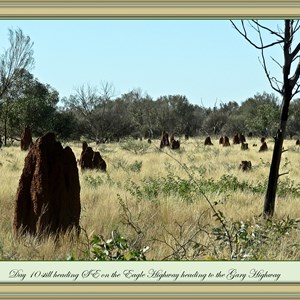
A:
[136,166]
[246,240]
[92,181]
[135,146]
[116,248]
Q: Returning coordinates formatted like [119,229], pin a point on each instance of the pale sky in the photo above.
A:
[205,60]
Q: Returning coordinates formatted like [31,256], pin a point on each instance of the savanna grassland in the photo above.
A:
[187,204]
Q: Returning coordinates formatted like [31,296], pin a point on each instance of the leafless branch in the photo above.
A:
[296,27]
[296,57]
[282,174]
[211,205]
[268,29]
[185,244]
[128,219]
[279,29]
[108,91]
[277,89]
[270,79]
[276,62]
[295,77]
[245,35]
[297,90]
[87,98]
[295,51]
[278,83]
[262,47]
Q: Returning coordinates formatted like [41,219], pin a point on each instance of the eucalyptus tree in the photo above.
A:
[14,62]
[174,113]
[28,102]
[261,114]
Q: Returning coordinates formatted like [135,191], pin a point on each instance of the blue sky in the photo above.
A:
[205,60]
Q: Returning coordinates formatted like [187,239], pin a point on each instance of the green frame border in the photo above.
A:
[166,9]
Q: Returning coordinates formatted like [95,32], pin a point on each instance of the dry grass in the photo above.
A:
[163,217]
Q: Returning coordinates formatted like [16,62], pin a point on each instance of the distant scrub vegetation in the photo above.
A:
[97,115]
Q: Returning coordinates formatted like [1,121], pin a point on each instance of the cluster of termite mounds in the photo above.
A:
[224,140]
[240,139]
[165,142]
[90,159]
[48,195]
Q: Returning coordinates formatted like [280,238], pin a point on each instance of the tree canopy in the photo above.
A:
[94,112]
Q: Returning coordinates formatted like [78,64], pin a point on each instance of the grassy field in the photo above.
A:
[192,204]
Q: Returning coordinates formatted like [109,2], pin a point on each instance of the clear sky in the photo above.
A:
[205,60]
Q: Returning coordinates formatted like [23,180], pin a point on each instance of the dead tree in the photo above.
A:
[287,88]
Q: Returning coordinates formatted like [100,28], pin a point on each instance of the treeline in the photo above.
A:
[132,114]
[102,118]
[95,114]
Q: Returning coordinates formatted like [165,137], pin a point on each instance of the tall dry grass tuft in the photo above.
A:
[158,198]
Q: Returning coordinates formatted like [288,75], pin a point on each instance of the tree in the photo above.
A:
[261,114]
[37,106]
[28,102]
[90,106]
[14,63]
[195,124]
[235,124]
[182,112]
[174,113]
[65,125]
[287,88]
[214,122]
[233,121]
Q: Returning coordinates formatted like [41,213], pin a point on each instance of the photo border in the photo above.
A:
[166,9]
[141,9]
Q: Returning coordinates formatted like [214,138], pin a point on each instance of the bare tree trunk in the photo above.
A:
[269,205]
